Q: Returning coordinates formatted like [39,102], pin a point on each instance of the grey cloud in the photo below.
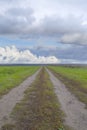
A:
[21,22]
[16,20]
[62,29]
[77,38]
[74,52]
[59,25]
[20,11]
[65,30]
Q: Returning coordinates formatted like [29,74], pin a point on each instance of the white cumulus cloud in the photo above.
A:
[13,55]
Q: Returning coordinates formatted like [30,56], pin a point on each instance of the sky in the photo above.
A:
[43,31]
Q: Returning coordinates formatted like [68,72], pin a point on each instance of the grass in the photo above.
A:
[39,110]
[11,76]
[75,78]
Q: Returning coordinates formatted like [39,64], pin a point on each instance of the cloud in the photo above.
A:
[20,22]
[13,55]
[62,20]
[65,52]
[76,38]
[60,25]
[16,21]
[69,30]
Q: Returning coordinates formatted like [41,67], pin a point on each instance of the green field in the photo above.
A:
[11,76]
[75,78]
[40,109]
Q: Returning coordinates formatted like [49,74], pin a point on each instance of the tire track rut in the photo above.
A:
[8,101]
[76,114]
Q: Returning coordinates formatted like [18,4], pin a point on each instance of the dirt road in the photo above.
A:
[8,102]
[76,114]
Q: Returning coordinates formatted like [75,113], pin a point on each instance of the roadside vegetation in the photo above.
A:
[11,76]
[75,79]
[39,110]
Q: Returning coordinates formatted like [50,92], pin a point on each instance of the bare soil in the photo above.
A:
[76,114]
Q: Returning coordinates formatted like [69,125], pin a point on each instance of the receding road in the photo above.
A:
[76,114]
[8,101]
